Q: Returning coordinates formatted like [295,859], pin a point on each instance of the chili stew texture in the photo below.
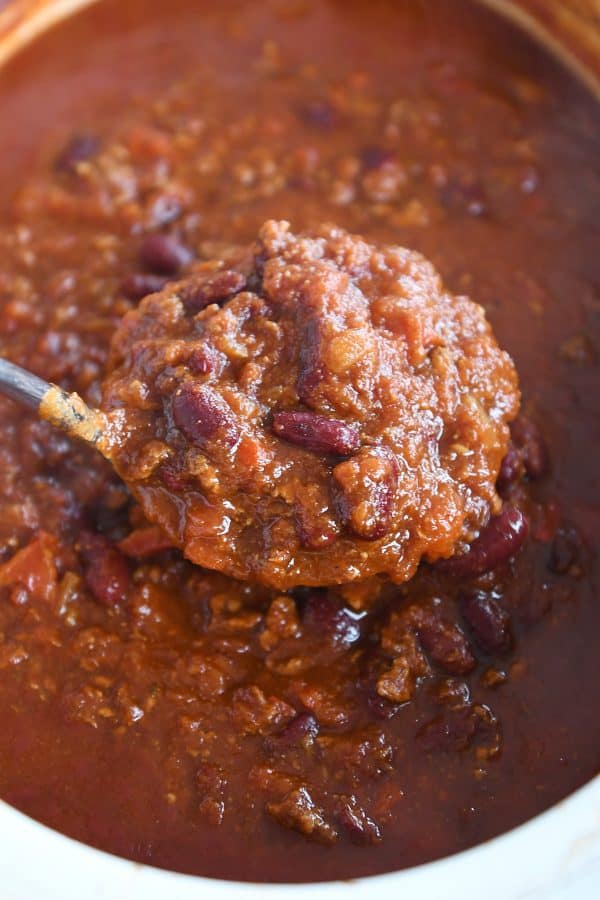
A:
[178,717]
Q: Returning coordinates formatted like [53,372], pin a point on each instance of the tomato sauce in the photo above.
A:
[181,718]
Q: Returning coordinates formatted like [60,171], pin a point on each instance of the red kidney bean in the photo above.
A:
[314,531]
[360,828]
[105,569]
[315,432]
[174,477]
[80,148]
[328,617]
[304,183]
[310,363]
[206,360]
[164,254]
[216,287]
[529,440]
[565,552]
[201,414]
[139,284]
[453,730]
[488,621]
[511,469]
[319,114]
[446,645]
[367,484]
[499,541]
[300,732]
[375,157]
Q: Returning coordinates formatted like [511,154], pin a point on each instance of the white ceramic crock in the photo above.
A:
[555,856]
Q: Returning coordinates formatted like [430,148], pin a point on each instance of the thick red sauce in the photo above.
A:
[179,718]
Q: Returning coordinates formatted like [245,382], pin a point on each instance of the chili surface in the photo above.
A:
[176,716]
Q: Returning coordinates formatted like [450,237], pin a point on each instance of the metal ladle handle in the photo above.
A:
[62,409]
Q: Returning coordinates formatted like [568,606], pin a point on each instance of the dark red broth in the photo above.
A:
[175,716]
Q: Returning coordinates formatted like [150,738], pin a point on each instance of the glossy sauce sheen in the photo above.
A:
[174,716]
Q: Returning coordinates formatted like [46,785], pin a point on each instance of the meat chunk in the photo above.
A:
[297,810]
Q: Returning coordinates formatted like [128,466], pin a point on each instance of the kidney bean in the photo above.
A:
[367,484]
[453,730]
[206,360]
[488,621]
[300,732]
[565,552]
[139,284]
[218,286]
[319,114]
[528,438]
[375,157]
[304,183]
[80,148]
[201,414]
[310,363]
[315,432]
[164,254]
[329,618]
[499,541]
[105,569]
[360,828]
[446,645]
[314,530]
[511,468]
[174,476]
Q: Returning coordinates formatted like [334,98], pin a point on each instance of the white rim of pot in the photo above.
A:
[552,849]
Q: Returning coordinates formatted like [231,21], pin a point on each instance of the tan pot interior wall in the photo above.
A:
[570,27]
